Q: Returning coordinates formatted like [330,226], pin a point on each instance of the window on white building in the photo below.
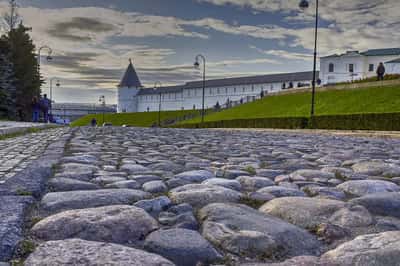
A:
[331,67]
[351,68]
[234,90]
[218,91]
[226,90]
[371,68]
[252,87]
[244,89]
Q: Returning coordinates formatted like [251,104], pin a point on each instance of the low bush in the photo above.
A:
[369,121]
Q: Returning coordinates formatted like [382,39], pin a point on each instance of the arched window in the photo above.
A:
[331,67]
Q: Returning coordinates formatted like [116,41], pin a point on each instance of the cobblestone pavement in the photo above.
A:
[17,153]
[128,196]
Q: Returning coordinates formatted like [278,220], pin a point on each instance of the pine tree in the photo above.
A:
[25,68]
[26,76]
[7,83]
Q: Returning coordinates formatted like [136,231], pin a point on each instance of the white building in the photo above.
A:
[132,97]
[354,65]
[128,90]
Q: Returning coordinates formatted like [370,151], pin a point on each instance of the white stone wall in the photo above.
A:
[341,69]
[393,68]
[361,67]
[192,98]
[376,60]
[127,101]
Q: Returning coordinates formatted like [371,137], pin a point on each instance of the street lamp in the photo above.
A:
[197,66]
[102,101]
[51,88]
[159,105]
[304,4]
[49,52]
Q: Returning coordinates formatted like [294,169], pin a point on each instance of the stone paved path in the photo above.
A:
[17,153]
[128,196]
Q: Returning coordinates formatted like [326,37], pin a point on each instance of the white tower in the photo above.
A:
[128,90]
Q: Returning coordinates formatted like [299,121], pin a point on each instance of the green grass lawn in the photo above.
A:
[146,119]
[371,100]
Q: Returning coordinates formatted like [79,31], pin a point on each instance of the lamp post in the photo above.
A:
[51,90]
[102,101]
[197,66]
[159,104]
[304,4]
[48,58]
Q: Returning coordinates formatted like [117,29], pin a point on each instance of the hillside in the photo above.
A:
[331,102]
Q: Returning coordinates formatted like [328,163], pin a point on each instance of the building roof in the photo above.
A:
[130,79]
[395,61]
[382,52]
[168,89]
[372,52]
[274,78]
[285,77]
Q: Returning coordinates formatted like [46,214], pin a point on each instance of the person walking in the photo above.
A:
[45,105]
[35,109]
[381,71]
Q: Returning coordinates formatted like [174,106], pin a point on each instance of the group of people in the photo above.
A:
[41,105]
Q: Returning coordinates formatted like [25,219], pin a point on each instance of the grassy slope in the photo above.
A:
[372,100]
[146,119]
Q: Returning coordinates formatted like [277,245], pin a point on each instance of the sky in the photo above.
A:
[92,40]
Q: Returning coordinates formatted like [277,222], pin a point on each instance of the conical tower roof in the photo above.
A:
[130,79]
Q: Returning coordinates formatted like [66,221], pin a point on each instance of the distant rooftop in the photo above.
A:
[272,78]
[393,61]
[382,52]
[372,52]
[130,79]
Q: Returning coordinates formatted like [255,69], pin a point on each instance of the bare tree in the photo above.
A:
[12,18]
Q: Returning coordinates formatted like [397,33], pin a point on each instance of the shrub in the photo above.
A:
[369,121]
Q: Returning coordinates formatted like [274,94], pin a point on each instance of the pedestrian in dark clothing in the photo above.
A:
[45,104]
[381,71]
[35,109]
[93,122]
[262,94]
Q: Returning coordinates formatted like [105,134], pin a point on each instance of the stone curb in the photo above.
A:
[341,133]
[21,192]
[22,129]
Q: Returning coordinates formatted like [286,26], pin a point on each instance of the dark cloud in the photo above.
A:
[63,30]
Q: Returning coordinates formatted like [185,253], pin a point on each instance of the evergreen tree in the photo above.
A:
[23,61]
[26,71]
[7,83]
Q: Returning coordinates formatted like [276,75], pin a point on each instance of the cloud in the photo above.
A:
[101,60]
[284,54]
[65,30]
[353,25]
